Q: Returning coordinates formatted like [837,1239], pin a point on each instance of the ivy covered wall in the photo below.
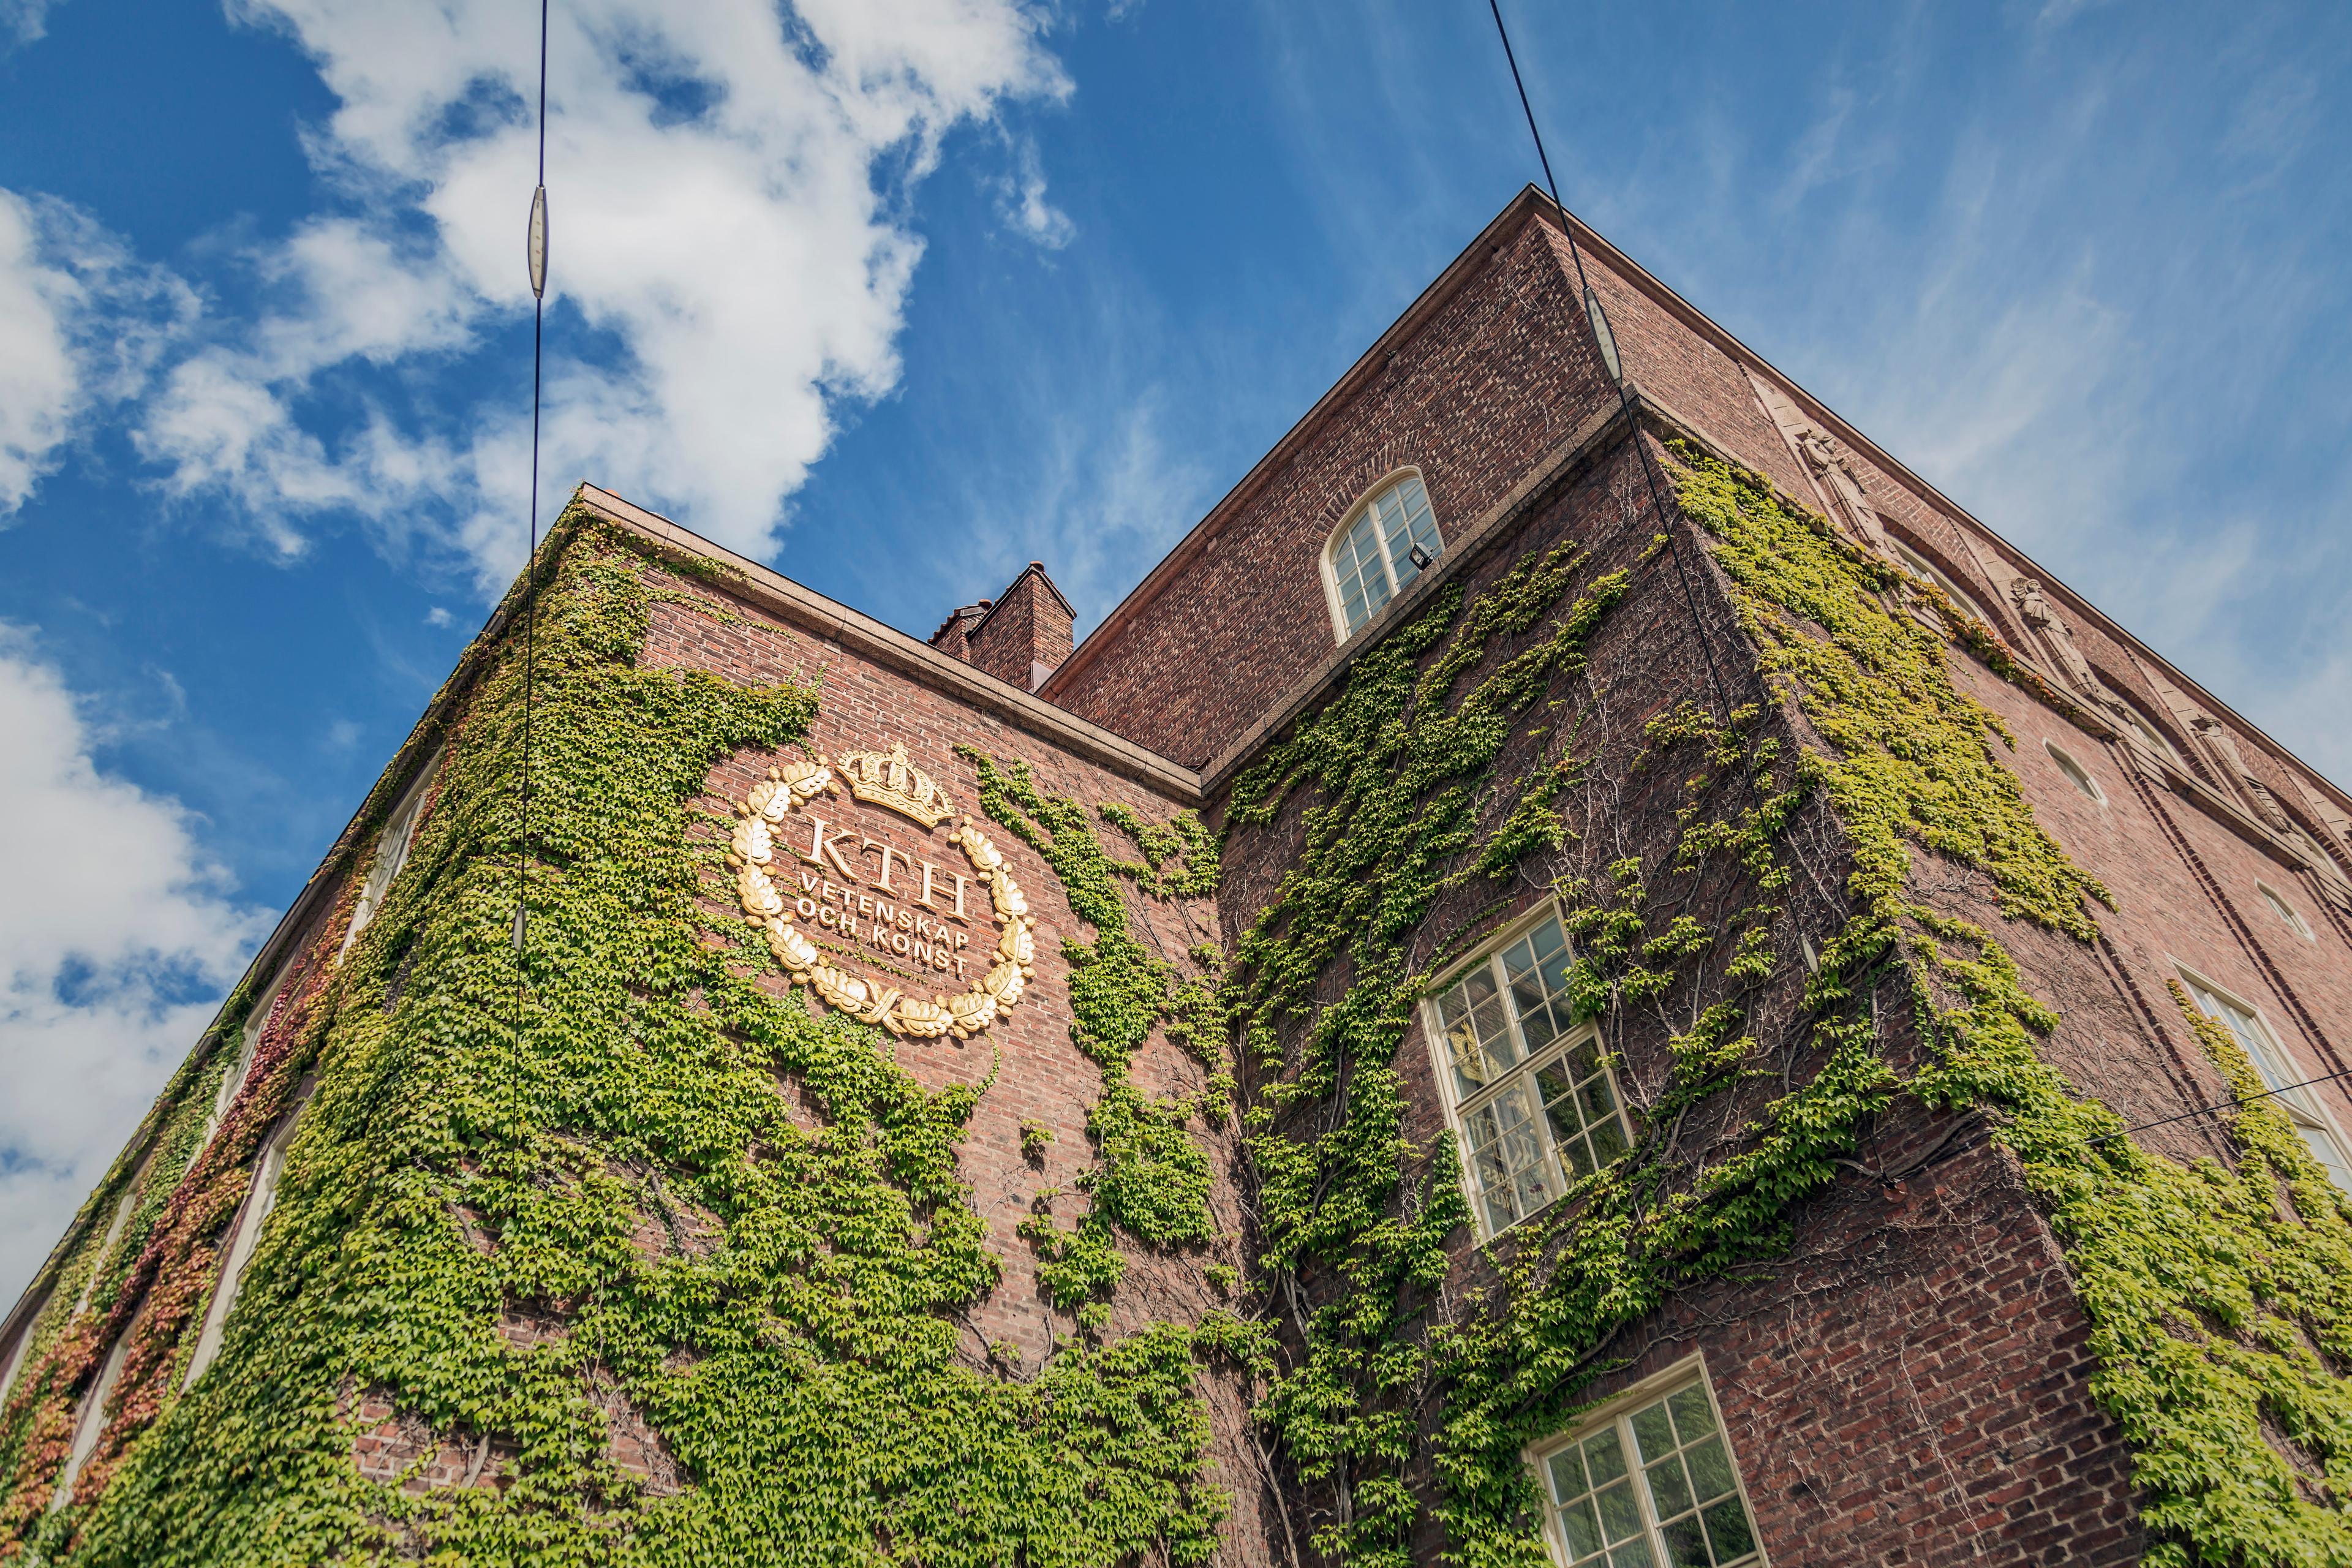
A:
[627,1258]
[624,1254]
[1761,883]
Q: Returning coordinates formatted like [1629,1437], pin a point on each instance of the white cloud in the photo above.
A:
[24,20]
[117,938]
[1021,201]
[80,323]
[730,253]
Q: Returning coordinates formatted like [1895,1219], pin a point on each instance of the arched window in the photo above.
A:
[2146,729]
[2076,774]
[1371,559]
[2288,915]
[245,1232]
[1912,561]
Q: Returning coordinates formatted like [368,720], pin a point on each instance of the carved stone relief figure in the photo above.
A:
[2058,639]
[1849,508]
[1834,481]
[2339,826]
[2225,746]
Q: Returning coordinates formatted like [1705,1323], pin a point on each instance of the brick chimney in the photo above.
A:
[1018,637]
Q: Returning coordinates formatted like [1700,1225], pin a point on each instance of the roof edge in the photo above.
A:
[1528,202]
[854,630]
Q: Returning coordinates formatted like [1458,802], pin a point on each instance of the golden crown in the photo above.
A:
[889,779]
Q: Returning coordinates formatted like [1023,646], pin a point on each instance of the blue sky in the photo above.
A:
[899,296]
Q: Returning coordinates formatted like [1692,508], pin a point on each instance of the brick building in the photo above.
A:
[1602,1144]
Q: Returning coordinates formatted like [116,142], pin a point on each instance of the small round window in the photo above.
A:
[2075,772]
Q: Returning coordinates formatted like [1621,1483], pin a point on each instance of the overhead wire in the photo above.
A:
[535,252]
[1629,402]
[1605,341]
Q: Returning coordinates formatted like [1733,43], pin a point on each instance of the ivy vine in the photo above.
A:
[649,1264]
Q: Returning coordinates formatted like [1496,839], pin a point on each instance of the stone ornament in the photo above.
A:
[2058,636]
[2225,745]
[1857,519]
[890,780]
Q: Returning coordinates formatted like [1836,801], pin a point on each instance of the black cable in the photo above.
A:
[531,562]
[1626,399]
[2215,1110]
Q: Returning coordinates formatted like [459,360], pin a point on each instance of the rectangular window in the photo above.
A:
[1650,1487]
[391,852]
[2277,1071]
[1534,1103]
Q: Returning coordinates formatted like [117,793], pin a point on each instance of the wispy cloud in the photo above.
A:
[1021,203]
[2062,294]
[117,938]
[81,326]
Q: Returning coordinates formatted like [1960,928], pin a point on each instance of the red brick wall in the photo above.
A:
[1041,1076]
[1503,373]
[1028,626]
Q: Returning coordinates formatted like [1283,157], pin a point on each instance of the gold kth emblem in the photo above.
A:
[890,780]
[758,857]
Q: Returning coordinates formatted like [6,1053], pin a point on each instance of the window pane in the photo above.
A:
[1669,1489]
[1607,1141]
[1551,954]
[1420,520]
[1621,1516]
[1473,1070]
[1686,1547]
[1539,1025]
[2248,1034]
[1486,1015]
[1584,1058]
[1603,1457]
[1729,1532]
[1600,1105]
[1651,1431]
[1567,1475]
[1574,1157]
[1634,1554]
[1693,1419]
[2330,1158]
[1711,1469]
[1580,1528]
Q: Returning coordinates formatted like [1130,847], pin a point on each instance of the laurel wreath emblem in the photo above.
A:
[962,1014]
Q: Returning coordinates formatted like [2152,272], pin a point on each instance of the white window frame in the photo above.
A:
[1618,1412]
[248,1046]
[1399,579]
[391,852]
[1460,1108]
[244,1234]
[2289,916]
[2071,767]
[2276,1066]
[89,1421]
